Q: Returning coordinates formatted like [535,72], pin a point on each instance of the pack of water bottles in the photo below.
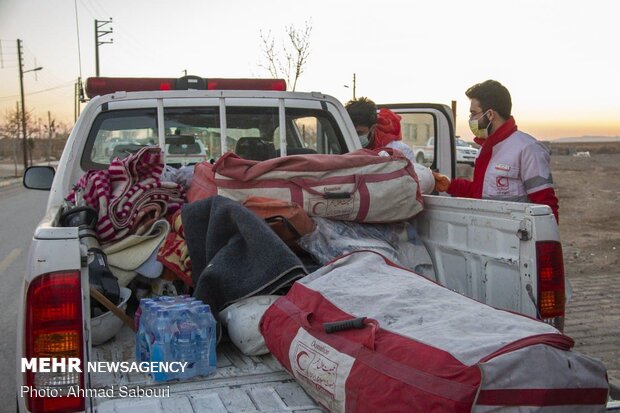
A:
[179,329]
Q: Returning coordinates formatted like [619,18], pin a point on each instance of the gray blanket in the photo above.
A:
[234,253]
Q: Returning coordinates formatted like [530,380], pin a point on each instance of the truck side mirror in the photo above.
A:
[39,177]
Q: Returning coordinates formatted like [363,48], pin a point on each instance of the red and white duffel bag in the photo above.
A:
[407,344]
[361,186]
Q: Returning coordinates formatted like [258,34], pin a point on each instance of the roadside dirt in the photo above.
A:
[589,194]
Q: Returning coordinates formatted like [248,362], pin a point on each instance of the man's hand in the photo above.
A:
[442,182]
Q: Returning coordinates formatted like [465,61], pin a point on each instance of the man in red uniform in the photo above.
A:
[511,165]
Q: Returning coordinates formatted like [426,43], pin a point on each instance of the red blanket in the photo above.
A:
[129,195]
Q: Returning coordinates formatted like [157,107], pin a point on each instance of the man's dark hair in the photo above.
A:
[492,95]
[363,111]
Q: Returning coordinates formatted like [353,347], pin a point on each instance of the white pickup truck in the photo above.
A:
[504,254]
[465,153]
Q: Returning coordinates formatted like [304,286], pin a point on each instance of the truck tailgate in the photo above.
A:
[241,383]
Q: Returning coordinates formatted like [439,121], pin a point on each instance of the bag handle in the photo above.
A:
[335,326]
[303,184]
[367,328]
[366,334]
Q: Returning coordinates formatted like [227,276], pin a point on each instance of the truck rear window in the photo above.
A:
[119,133]
[251,132]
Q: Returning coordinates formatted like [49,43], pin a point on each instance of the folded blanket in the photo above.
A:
[129,196]
[174,254]
[234,253]
[130,253]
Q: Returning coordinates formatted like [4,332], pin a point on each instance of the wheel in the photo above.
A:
[419,158]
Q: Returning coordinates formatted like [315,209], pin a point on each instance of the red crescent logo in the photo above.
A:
[299,356]
[314,208]
[502,182]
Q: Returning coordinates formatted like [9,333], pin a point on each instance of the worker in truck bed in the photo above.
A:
[382,129]
[512,165]
[377,130]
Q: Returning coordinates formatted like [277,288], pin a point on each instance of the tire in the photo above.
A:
[419,158]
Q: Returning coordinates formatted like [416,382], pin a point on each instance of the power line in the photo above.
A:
[100,9]
[121,31]
[52,88]
[9,43]
[145,48]
[3,60]
[89,10]
[66,84]
[77,26]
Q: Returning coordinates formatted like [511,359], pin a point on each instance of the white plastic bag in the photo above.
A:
[399,242]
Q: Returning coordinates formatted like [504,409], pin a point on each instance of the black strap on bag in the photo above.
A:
[286,222]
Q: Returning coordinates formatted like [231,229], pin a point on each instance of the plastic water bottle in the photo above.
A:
[183,342]
[166,300]
[143,314]
[180,329]
[139,331]
[160,348]
[206,357]
[138,314]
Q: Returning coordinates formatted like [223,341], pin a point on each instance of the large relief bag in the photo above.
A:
[364,335]
[361,186]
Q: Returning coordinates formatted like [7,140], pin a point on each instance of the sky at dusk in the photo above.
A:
[559,59]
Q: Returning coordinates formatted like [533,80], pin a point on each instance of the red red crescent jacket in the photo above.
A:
[511,166]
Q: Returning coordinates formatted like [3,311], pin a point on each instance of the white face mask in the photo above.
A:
[364,140]
[474,125]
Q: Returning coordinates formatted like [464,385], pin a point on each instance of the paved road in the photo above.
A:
[20,211]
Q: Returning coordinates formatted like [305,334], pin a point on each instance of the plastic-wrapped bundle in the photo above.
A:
[182,176]
[178,329]
[399,242]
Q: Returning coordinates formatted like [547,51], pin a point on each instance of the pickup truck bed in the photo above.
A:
[463,237]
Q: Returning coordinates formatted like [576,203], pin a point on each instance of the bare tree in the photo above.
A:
[290,61]
[10,129]
[273,63]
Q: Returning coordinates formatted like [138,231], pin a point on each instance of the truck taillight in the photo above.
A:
[103,85]
[551,292]
[54,330]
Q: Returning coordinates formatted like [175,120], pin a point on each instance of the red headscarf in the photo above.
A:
[387,129]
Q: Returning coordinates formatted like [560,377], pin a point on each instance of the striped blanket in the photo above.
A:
[129,196]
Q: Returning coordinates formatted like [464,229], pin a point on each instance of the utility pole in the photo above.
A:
[354,85]
[78,97]
[51,128]
[75,102]
[100,32]
[454,112]
[16,138]
[21,91]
